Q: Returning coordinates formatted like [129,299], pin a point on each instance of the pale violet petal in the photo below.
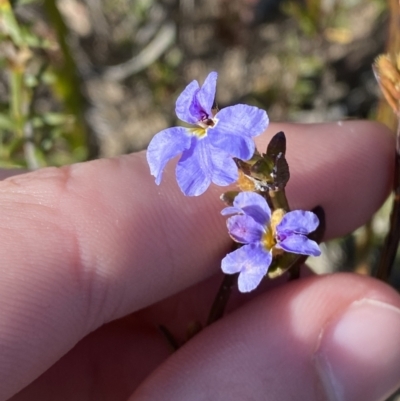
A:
[185,107]
[233,262]
[300,244]
[238,146]
[165,146]
[235,126]
[206,95]
[224,169]
[231,210]
[251,261]
[244,229]
[298,221]
[253,205]
[193,172]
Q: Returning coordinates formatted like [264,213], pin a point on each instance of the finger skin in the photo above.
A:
[267,349]
[111,362]
[108,365]
[86,244]
[318,177]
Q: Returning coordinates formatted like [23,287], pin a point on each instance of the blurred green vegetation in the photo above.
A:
[82,79]
[33,134]
[87,78]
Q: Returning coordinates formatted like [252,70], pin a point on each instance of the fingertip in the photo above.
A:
[358,357]
[275,344]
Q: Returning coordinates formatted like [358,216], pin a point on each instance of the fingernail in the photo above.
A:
[358,357]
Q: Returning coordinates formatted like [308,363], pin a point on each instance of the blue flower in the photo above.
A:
[264,235]
[208,148]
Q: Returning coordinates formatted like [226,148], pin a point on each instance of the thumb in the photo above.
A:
[333,337]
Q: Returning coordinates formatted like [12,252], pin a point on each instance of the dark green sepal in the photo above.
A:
[228,197]
[269,171]
[276,152]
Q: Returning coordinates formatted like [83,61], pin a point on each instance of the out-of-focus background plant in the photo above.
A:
[89,78]
[81,79]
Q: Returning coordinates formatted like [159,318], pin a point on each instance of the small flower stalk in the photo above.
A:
[217,146]
[387,73]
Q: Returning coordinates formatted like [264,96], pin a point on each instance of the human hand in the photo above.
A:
[94,243]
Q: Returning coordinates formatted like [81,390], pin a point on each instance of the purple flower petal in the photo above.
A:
[251,261]
[299,222]
[253,205]
[234,128]
[208,158]
[231,210]
[224,169]
[300,244]
[237,146]
[194,103]
[187,108]
[165,146]
[206,95]
[193,170]
[244,229]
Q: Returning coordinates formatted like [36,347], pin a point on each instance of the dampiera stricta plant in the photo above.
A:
[208,147]
[218,148]
[264,234]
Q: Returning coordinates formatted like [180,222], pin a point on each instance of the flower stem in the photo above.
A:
[391,244]
[173,343]
[278,199]
[222,298]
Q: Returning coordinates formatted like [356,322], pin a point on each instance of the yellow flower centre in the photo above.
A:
[276,218]
[202,126]
[199,132]
[269,238]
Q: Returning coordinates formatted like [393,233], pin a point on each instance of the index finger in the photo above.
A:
[88,243]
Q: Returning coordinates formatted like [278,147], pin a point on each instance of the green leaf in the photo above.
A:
[276,152]
[6,122]
[228,197]
[277,145]
[54,119]
[24,2]
[9,24]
